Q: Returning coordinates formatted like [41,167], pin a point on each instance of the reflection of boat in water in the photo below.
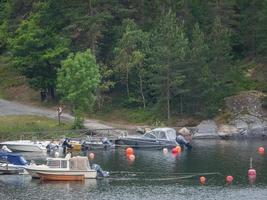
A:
[56,167]
[60,177]
[25,145]
[156,138]
[11,163]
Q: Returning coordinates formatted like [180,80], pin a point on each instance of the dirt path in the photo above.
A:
[15,108]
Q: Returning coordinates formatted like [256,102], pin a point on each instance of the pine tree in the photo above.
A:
[168,53]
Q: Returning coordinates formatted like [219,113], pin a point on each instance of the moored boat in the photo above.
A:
[78,165]
[25,145]
[11,163]
[156,138]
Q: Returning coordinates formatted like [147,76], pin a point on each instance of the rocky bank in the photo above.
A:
[246,119]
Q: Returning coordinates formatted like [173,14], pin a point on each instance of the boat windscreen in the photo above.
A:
[171,134]
[149,135]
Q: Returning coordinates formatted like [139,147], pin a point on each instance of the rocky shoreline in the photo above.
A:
[248,119]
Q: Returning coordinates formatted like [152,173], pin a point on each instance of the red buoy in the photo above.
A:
[252,174]
[229,179]
[129,151]
[202,180]
[261,150]
[176,149]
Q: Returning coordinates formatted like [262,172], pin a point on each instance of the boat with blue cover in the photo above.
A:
[11,163]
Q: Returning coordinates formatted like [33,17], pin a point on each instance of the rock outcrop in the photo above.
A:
[247,120]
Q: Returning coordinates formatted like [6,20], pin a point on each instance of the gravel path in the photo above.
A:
[14,108]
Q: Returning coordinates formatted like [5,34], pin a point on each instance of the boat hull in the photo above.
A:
[34,172]
[24,146]
[60,177]
[145,143]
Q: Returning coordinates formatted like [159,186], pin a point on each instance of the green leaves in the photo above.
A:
[78,80]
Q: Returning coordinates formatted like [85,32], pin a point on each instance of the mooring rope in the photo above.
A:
[165,177]
[182,176]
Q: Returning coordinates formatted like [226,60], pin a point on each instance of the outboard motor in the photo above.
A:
[100,171]
[106,141]
[183,142]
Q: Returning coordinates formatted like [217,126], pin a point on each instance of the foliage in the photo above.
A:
[77,82]
[37,52]
[180,57]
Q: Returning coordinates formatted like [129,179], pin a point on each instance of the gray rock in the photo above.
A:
[207,129]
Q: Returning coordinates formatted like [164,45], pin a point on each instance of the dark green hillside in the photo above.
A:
[156,61]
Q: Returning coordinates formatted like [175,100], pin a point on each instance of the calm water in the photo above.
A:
[154,175]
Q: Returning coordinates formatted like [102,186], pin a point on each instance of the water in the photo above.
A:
[154,175]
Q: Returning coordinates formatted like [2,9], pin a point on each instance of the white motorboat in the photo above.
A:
[64,167]
[25,145]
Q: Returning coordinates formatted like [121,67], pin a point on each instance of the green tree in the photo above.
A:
[197,72]
[37,52]
[168,54]
[3,35]
[129,56]
[77,82]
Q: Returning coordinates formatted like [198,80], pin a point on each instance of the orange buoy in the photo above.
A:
[261,150]
[129,151]
[165,150]
[91,156]
[229,179]
[202,180]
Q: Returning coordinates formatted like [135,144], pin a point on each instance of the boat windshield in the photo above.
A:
[171,134]
[149,135]
[57,163]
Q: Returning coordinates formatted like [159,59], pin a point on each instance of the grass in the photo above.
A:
[126,116]
[26,127]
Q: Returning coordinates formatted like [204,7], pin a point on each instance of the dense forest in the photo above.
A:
[169,57]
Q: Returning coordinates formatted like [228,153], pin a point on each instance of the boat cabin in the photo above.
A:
[161,134]
[75,163]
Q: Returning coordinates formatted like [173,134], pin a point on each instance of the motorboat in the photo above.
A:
[64,167]
[156,138]
[25,145]
[97,143]
[11,163]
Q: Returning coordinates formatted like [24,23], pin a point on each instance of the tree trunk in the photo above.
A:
[91,33]
[168,94]
[127,82]
[51,91]
[141,91]
[181,104]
